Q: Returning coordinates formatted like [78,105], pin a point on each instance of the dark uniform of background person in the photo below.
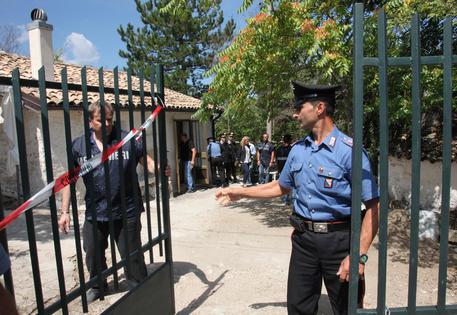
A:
[98,199]
[235,149]
[229,158]
[319,169]
[7,305]
[282,152]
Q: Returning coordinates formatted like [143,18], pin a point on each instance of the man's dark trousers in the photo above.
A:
[137,270]
[217,171]
[317,256]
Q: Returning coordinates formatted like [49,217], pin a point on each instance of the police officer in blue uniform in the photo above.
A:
[319,169]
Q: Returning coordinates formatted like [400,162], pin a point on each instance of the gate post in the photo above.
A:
[164,179]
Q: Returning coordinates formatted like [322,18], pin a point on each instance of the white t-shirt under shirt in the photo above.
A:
[247,154]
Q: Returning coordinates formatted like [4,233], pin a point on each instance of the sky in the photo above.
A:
[86,30]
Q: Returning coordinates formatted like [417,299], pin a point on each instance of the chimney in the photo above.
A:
[40,41]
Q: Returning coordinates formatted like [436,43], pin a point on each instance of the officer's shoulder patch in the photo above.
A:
[347,141]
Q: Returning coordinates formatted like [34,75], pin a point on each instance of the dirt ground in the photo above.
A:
[233,260]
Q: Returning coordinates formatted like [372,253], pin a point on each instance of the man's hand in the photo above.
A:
[192,163]
[226,196]
[167,171]
[64,222]
[271,164]
[343,271]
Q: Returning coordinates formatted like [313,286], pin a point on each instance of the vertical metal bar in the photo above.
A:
[101,89]
[356,157]
[130,147]
[121,167]
[20,123]
[156,169]
[384,162]
[446,171]
[145,169]
[416,159]
[164,179]
[8,276]
[70,162]
[90,188]
[119,152]
[50,178]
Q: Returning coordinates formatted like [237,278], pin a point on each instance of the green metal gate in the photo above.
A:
[382,62]
[156,292]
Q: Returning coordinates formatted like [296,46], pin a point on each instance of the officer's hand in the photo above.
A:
[64,222]
[226,196]
[343,271]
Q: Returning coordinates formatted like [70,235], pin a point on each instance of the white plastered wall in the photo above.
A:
[431,180]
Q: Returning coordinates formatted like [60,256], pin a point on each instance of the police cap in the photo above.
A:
[304,93]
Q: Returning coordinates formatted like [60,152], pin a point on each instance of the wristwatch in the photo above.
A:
[363,259]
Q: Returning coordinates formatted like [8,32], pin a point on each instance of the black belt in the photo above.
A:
[302,225]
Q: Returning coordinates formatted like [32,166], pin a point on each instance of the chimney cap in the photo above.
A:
[38,14]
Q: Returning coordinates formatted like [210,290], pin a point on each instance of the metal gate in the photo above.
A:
[382,62]
[156,292]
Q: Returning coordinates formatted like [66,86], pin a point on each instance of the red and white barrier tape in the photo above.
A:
[73,175]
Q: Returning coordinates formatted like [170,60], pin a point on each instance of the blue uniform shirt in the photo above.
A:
[321,176]
[214,149]
[99,200]
[4,261]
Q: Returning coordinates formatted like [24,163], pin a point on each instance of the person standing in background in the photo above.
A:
[215,161]
[245,158]
[281,157]
[187,154]
[265,158]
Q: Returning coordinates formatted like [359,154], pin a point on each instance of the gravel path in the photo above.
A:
[233,260]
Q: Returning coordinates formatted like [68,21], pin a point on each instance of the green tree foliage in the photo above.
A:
[311,41]
[184,38]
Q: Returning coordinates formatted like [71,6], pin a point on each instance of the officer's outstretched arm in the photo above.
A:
[270,190]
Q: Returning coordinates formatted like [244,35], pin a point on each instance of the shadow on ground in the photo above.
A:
[271,212]
[42,224]
[398,243]
[324,305]
[182,268]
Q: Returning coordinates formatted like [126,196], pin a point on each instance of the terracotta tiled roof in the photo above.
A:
[8,62]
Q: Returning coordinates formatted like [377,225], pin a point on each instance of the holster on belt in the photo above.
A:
[297,223]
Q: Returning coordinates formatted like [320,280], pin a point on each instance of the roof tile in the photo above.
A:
[173,99]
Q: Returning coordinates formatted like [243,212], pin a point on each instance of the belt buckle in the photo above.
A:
[320,227]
